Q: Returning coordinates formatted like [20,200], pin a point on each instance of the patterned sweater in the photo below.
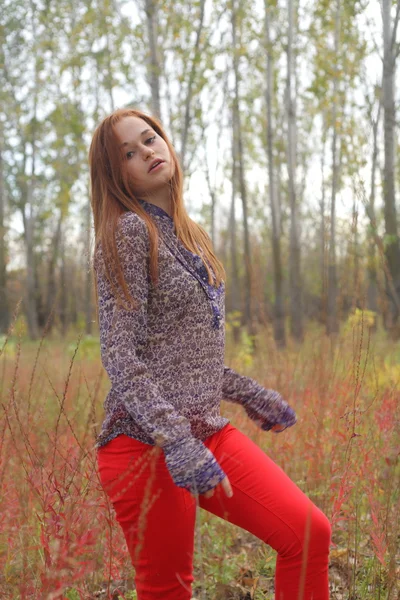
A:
[165,359]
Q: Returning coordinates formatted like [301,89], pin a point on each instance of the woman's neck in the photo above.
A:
[161,200]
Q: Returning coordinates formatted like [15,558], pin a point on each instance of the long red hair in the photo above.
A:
[111,194]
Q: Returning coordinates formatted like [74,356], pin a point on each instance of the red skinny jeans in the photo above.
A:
[158,518]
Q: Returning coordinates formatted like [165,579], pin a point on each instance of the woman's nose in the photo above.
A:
[147,151]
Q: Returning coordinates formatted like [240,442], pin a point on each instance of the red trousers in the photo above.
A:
[158,518]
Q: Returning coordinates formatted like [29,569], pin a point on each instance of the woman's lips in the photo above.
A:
[157,167]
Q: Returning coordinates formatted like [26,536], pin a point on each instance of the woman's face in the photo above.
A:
[140,146]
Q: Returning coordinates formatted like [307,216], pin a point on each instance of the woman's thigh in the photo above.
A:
[157,517]
[260,489]
[267,503]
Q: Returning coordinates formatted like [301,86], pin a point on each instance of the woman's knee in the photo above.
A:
[321,531]
[313,536]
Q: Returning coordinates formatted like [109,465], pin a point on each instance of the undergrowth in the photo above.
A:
[59,537]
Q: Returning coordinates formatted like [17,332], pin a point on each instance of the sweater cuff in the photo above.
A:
[193,466]
[268,408]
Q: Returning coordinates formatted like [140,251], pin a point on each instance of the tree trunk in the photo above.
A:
[279,312]
[234,287]
[332,320]
[189,94]
[29,220]
[296,303]
[153,62]
[211,184]
[40,303]
[110,76]
[323,312]
[30,296]
[72,281]
[243,191]
[51,277]
[63,288]
[356,259]
[392,245]
[372,290]
[4,311]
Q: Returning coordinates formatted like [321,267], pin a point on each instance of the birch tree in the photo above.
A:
[296,300]
[153,59]
[279,310]
[391,51]
[372,289]
[241,171]
[4,312]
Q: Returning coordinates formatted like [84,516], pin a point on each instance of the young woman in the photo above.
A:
[164,447]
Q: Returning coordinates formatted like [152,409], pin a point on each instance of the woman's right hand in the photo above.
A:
[226,486]
[194,467]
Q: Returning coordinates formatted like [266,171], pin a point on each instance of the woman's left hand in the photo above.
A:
[261,411]
[278,428]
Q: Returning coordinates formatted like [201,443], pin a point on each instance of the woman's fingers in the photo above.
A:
[226,486]
[278,427]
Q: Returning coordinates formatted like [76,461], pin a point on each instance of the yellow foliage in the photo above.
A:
[386,374]
[361,318]
[244,350]
[9,348]
[89,347]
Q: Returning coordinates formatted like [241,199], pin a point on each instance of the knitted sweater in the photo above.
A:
[165,359]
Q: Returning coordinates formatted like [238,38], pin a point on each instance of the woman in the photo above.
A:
[164,447]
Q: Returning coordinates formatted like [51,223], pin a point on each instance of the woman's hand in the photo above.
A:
[270,422]
[226,486]
[278,428]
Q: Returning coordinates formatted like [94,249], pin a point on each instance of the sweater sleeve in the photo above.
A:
[190,463]
[264,406]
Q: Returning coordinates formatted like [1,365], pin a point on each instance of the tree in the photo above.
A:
[279,312]
[296,300]
[392,243]
[248,317]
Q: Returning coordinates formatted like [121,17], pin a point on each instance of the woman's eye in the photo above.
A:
[150,140]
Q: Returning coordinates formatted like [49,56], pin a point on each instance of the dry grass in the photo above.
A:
[58,534]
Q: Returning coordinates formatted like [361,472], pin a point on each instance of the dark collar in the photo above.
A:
[157,211]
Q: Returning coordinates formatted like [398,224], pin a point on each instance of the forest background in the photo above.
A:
[285,116]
